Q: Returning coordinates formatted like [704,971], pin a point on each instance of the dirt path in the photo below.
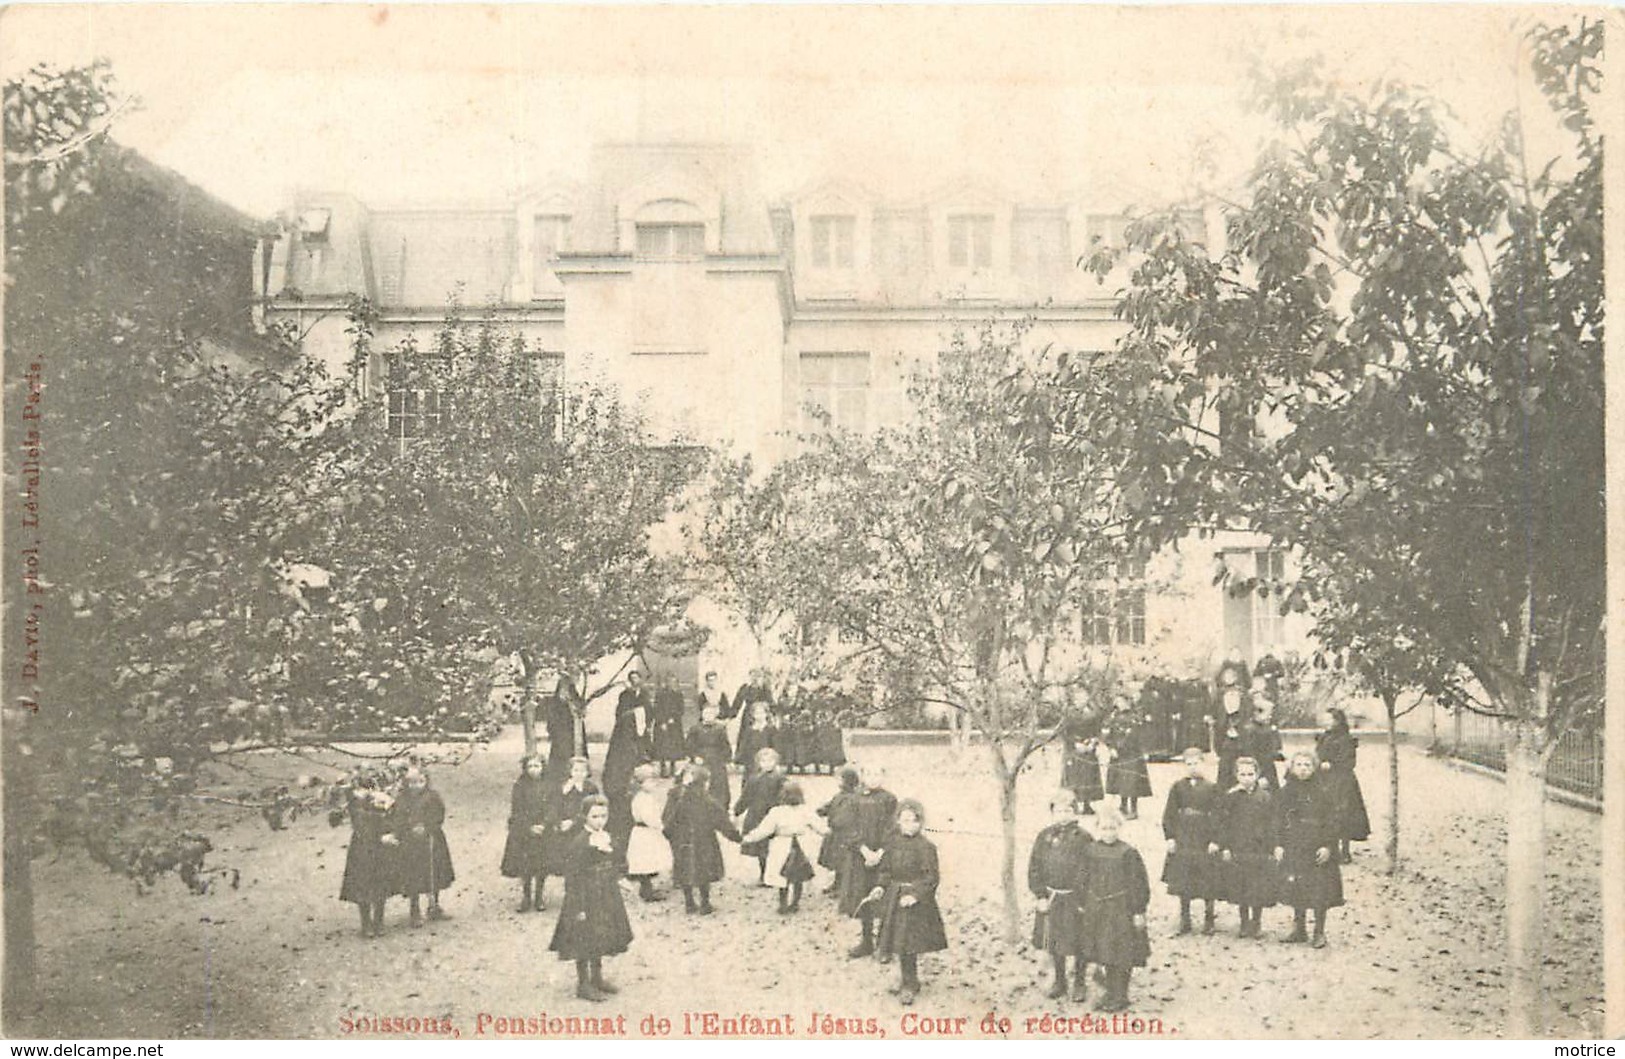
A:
[1415,955]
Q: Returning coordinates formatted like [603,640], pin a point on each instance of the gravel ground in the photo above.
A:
[1417,954]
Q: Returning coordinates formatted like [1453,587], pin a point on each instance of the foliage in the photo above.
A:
[1395,363]
[942,557]
[515,520]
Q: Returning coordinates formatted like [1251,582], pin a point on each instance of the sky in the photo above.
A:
[470,103]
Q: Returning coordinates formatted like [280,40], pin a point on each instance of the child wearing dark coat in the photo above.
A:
[708,744]
[1080,761]
[1127,776]
[1337,748]
[369,867]
[1189,823]
[561,820]
[756,799]
[841,813]
[1306,847]
[1055,877]
[1246,840]
[592,921]
[692,820]
[1116,891]
[877,818]
[423,860]
[906,891]
[527,824]
[788,829]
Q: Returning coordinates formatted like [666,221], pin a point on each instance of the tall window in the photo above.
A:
[836,384]
[1268,622]
[551,237]
[413,413]
[1107,231]
[549,369]
[1114,606]
[970,241]
[902,241]
[671,242]
[832,241]
[1038,242]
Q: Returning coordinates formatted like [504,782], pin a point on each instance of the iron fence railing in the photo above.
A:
[1575,765]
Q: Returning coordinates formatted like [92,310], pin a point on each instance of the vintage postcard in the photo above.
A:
[808,523]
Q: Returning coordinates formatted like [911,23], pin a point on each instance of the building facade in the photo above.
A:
[735,318]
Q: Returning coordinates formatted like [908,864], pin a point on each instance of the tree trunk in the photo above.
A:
[1390,703]
[1526,878]
[18,885]
[1007,867]
[527,704]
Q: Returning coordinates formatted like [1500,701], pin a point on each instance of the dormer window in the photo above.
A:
[671,242]
[970,241]
[670,230]
[314,225]
[551,238]
[833,237]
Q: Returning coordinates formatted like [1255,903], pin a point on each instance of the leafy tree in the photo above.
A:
[159,469]
[1395,366]
[489,510]
[952,560]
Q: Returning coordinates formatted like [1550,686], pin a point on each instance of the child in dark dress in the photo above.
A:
[1055,877]
[708,744]
[758,797]
[1189,822]
[561,820]
[841,812]
[1337,749]
[906,891]
[692,820]
[788,829]
[592,921]
[877,819]
[1246,838]
[527,823]
[369,869]
[1127,776]
[1116,892]
[1306,847]
[423,860]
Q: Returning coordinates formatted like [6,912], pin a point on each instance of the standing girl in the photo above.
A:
[369,869]
[647,852]
[758,797]
[877,819]
[910,922]
[1306,848]
[1116,892]
[788,828]
[708,744]
[841,813]
[561,821]
[1188,823]
[592,922]
[527,824]
[1080,760]
[1055,877]
[424,861]
[1245,840]
[1336,748]
[693,819]
[1127,776]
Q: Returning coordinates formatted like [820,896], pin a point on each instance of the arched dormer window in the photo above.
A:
[670,230]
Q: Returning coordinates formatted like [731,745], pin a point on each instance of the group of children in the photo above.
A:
[1254,846]
[1245,841]
[1102,757]
[397,848]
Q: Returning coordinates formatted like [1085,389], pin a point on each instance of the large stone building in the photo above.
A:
[668,272]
